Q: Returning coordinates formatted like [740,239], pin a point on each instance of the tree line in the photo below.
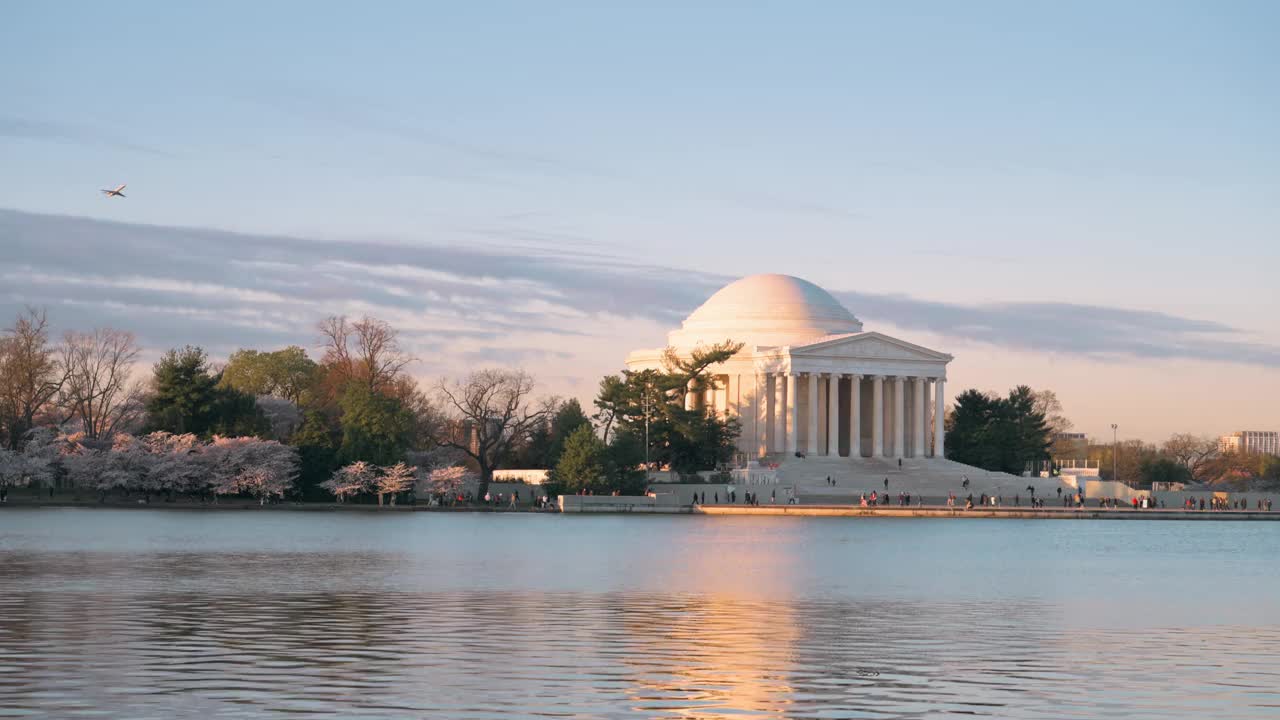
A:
[1186,458]
[1026,430]
[73,414]
[351,423]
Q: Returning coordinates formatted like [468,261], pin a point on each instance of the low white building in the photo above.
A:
[528,477]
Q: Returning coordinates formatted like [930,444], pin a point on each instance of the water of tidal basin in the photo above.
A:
[162,614]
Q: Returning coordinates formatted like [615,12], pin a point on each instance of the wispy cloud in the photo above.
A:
[176,285]
[370,116]
[1070,329]
[29,129]
[778,204]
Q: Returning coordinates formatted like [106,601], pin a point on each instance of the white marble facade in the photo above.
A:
[809,379]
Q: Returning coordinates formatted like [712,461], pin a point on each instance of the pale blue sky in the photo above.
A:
[1113,155]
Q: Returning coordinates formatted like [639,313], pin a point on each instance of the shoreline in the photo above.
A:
[1014,513]
[31,503]
[935,511]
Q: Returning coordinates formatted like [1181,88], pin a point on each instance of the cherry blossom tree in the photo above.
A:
[12,471]
[81,463]
[40,457]
[124,465]
[448,481]
[395,480]
[263,481]
[261,468]
[353,479]
[175,463]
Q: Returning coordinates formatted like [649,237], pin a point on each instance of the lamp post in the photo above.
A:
[1114,449]
[646,432]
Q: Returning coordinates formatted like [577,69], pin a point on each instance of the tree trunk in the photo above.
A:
[486,477]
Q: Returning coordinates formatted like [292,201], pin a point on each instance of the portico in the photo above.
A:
[846,405]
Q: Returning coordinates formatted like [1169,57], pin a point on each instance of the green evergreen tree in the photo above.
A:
[317,442]
[568,418]
[998,434]
[186,398]
[625,463]
[583,464]
[686,440]
[532,453]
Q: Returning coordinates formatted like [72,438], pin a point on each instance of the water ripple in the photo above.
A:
[192,627]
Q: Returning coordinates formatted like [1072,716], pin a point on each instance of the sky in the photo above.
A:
[1083,197]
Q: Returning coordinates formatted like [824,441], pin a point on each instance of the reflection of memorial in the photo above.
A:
[709,657]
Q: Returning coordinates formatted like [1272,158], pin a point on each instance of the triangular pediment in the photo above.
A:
[871,345]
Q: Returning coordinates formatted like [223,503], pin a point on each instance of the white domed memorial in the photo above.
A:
[809,379]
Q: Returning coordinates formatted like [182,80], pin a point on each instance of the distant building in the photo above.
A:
[1070,449]
[471,430]
[1251,441]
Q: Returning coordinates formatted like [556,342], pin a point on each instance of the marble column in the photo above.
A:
[690,397]
[760,399]
[918,422]
[811,441]
[779,413]
[793,414]
[899,417]
[877,417]
[929,385]
[855,416]
[731,390]
[833,415]
[939,411]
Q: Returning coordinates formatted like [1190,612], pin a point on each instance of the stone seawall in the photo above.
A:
[997,512]
[621,504]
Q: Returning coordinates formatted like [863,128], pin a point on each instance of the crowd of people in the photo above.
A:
[1067,497]
[1217,503]
[730,497]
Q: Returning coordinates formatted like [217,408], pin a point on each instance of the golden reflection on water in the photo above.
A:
[728,659]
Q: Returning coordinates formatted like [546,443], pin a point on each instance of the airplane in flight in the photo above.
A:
[114,193]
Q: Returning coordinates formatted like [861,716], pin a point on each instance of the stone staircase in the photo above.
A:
[930,478]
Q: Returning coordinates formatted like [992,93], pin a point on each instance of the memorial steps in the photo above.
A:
[932,478]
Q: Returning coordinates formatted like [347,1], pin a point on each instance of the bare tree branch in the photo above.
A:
[486,412]
[98,390]
[366,351]
[30,375]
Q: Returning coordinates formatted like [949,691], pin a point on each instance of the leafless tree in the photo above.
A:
[486,412]
[30,375]
[1046,403]
[98,390]
[1195,453]
[366,351]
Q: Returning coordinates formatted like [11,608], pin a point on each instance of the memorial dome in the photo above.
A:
[766,310]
